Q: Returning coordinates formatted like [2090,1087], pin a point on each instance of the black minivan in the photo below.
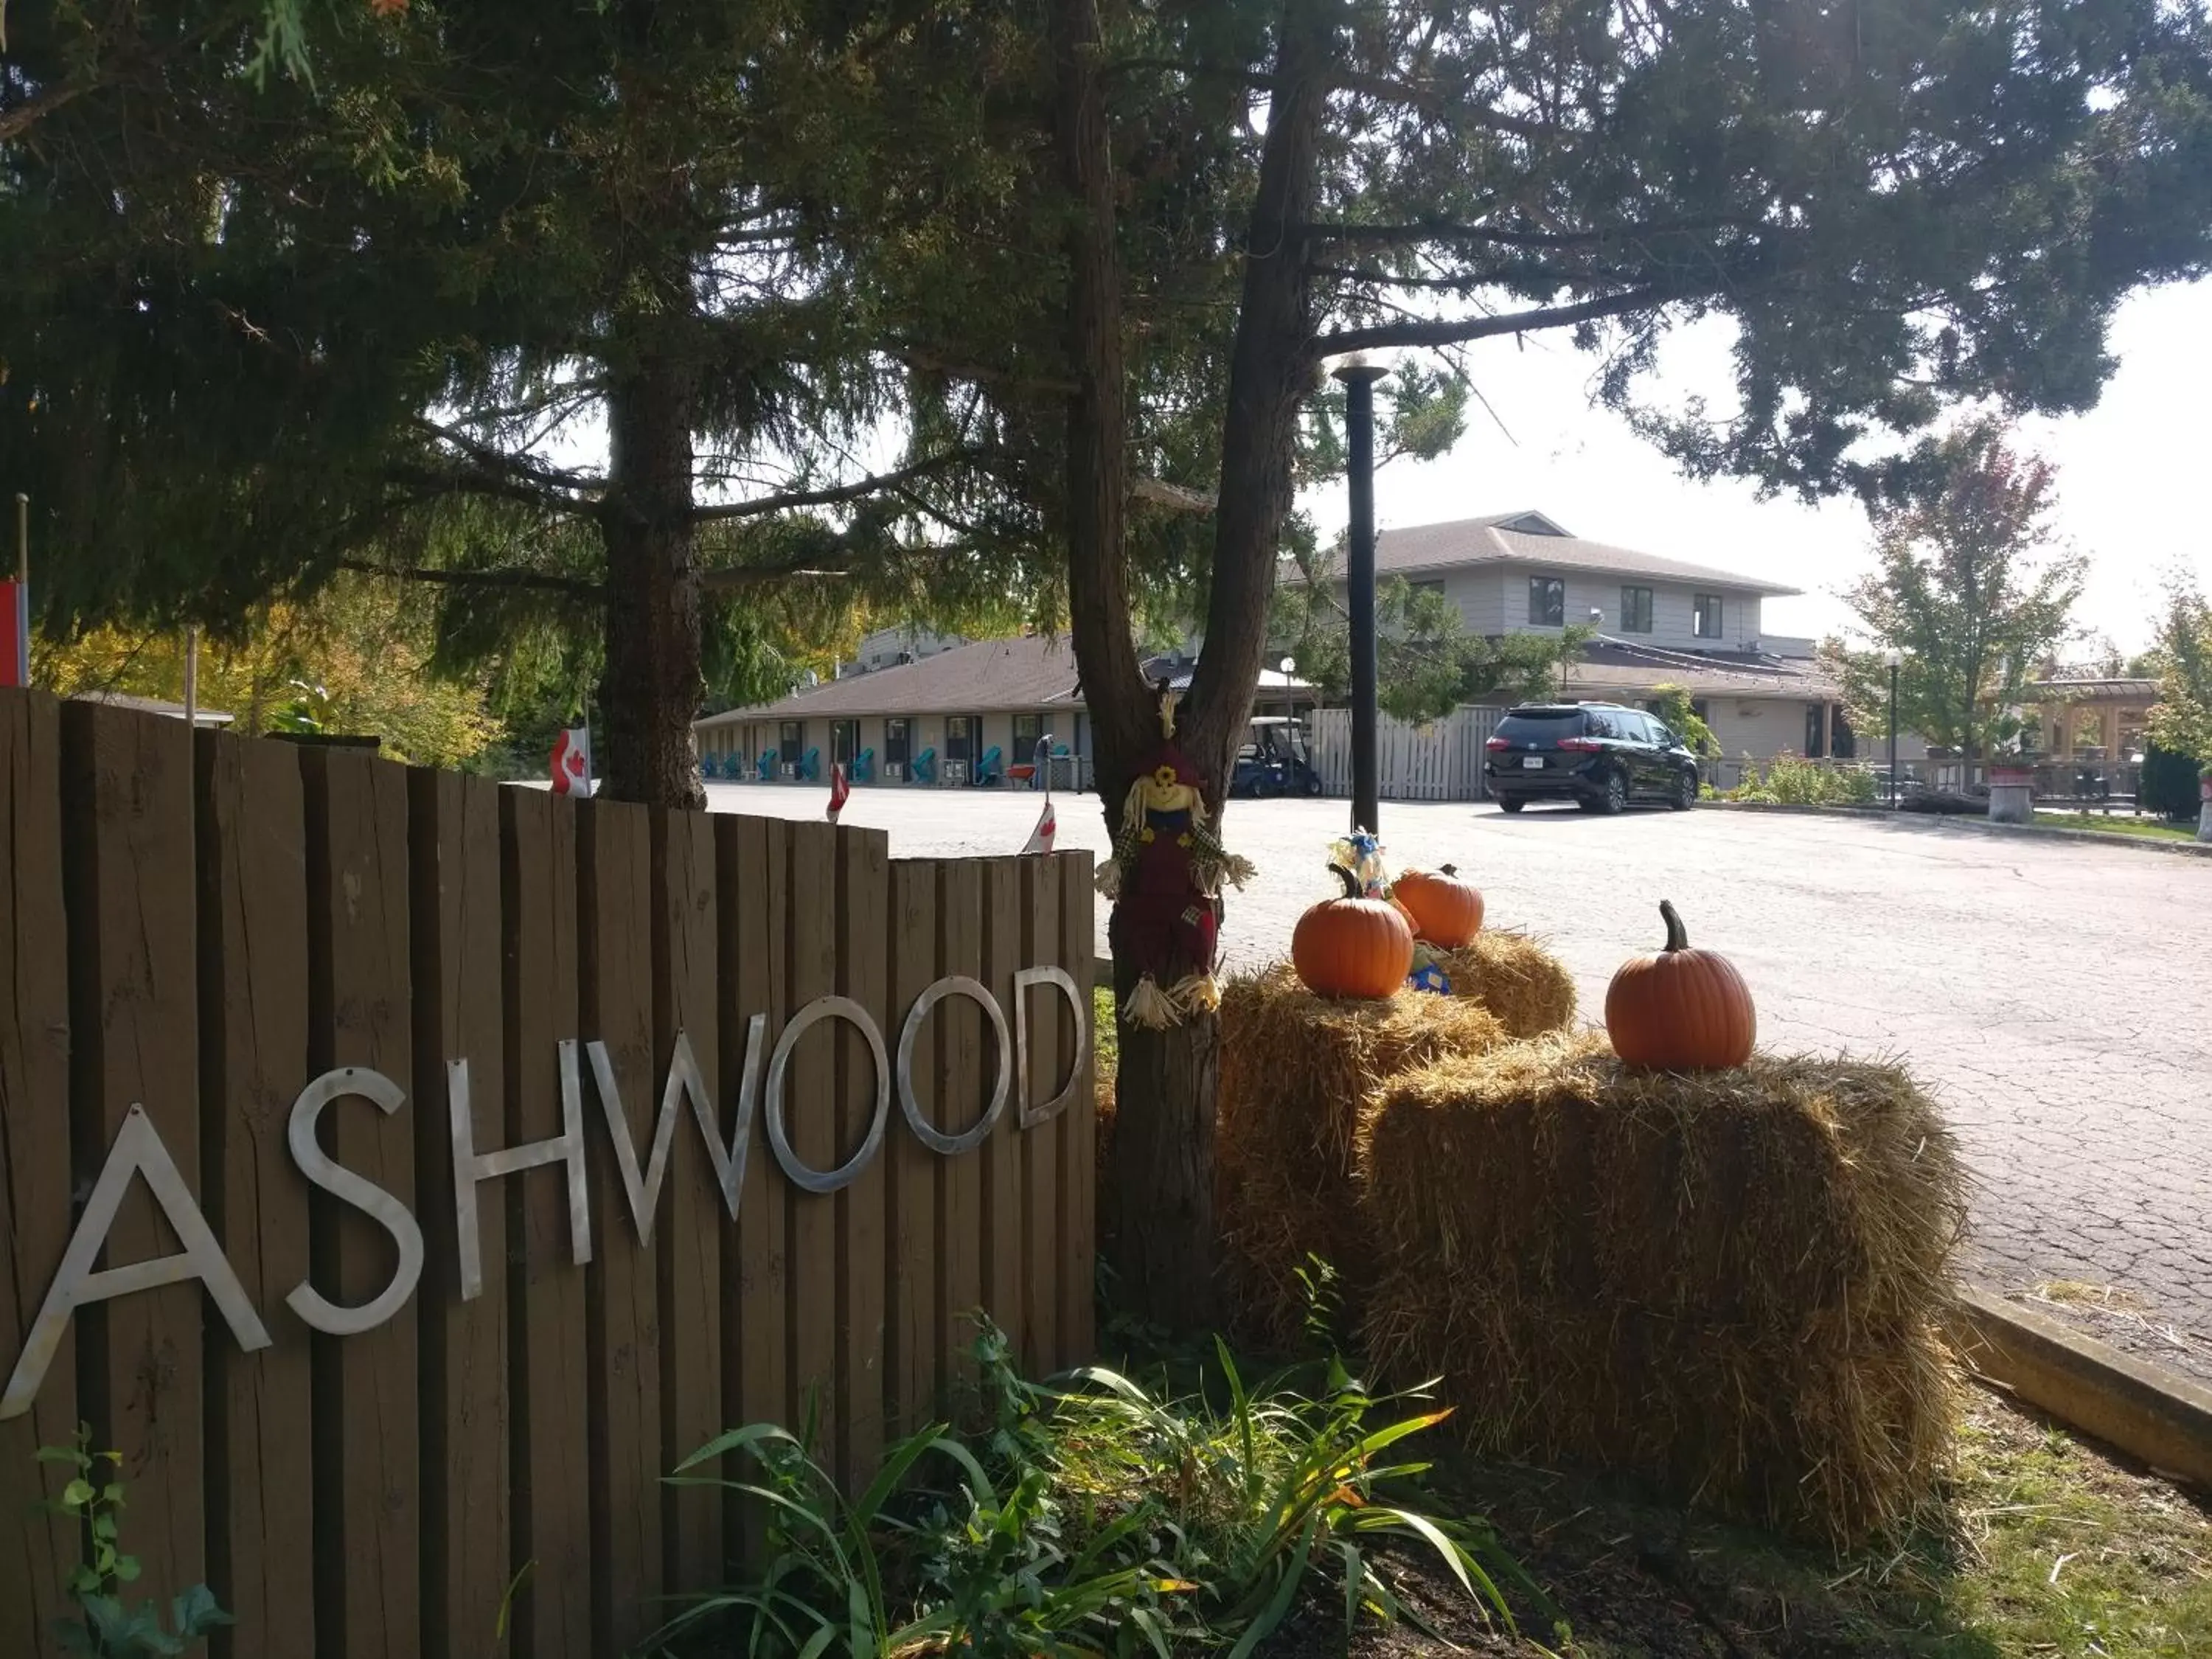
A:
[1599,755]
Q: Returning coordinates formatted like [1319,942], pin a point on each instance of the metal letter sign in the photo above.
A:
[1061,981]
[805,1176]
[931,1136]
[137,1151]
[387,1211]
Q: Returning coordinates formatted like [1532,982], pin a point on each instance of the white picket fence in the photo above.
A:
[1441,759]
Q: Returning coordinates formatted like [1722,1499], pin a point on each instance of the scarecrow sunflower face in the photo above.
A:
[1164,795]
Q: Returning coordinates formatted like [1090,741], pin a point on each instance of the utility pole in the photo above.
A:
[1359,381]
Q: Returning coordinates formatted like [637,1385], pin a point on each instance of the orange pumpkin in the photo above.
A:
[1353,946]
[1445,910]
[1682,1009]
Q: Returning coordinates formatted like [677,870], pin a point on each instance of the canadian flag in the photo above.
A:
[838,790]
[572,762]
[1040,839]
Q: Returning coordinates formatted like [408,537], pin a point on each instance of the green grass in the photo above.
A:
[1105,1035]
[2046,1548]
[2148,828]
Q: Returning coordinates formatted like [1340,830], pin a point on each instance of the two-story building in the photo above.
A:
[1658,620]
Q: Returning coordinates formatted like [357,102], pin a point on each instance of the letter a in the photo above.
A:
[137,1151]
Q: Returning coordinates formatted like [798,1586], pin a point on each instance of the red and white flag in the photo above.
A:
[572,762]
[838,790]
[14,634]
[1040,839]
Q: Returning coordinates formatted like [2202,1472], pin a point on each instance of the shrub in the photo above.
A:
[2169,784]
[1105,1517]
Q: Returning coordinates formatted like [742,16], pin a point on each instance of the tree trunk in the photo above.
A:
[1160,1191]
[651,688]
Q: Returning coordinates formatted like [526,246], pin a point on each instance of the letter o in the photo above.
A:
[804,1175]
[931,1136]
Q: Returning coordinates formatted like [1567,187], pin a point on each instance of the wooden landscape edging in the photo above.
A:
[284,972]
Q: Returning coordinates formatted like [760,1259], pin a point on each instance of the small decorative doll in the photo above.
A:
[1165,877]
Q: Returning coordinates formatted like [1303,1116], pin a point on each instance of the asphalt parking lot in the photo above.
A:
[2057,995]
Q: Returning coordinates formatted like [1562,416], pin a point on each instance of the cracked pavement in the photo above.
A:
[2055,996]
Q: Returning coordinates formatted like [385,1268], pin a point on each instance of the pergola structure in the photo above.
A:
[2101,720]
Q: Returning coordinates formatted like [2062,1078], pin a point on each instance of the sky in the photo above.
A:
[2132,472]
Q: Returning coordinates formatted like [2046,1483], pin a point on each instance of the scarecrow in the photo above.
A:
[1165,877]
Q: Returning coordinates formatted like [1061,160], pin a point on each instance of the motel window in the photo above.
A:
[844,742]
[1027,729]
[1706,619]
[899,742]
[791,739]
[1547,601]
[960,737]
[1636,610]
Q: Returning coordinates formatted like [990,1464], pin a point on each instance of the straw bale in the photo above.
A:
[1727,1282]
[1296,1074]
[1514,977]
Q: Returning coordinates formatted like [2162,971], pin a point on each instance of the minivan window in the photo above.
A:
[1541,728]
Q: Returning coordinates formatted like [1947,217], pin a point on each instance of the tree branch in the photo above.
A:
[527,581]
[494,460]
[1174,496]
[1457,331]
[830,495]
[1445,230]
[435,481]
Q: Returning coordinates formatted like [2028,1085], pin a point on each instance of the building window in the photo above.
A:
[1436,586]
[1547,601]
[1636,610]
[960,738]
[1706,620]
[791,739]
[844,742]
[1029,729]
[899,742]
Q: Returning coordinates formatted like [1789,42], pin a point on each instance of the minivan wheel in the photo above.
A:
[1510,802]
[1616,794]
[1685,792]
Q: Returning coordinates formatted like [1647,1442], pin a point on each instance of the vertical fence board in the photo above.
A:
[368,1526]
[453,854]
[1076,1261]
[810,1104]
[127,850]
[752,857]
[911,1357]
[963,1038]
[614,955]
[547,1391]
[692,1234]
[1043,1018]
[864,884]
[1001,1154]
[36,1550]
[254,1058]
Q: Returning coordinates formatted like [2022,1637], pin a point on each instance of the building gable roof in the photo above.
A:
[1031,672]
[1532,539]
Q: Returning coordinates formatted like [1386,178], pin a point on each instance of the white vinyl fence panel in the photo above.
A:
[1440,760]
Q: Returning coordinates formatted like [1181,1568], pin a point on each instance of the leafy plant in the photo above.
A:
[1102,1517]
[105,1626]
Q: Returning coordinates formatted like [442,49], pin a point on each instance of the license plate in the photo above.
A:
[1532,763]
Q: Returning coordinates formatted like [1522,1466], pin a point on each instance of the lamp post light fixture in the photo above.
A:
[1896,659]
[1358,378]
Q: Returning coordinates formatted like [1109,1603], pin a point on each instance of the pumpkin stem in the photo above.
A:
[1352,888]
[1676,938]
[1448,869]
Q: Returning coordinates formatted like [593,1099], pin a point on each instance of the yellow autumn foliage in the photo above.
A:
[359,641]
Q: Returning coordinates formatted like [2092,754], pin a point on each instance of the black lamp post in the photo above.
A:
[1896,657]
[1359,381]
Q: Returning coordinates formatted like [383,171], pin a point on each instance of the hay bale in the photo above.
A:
[1508,973]
[1727,1282]
[1297,1073]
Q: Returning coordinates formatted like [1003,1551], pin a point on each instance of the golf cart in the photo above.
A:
[1275,760]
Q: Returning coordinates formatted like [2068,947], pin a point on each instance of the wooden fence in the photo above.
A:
[1440,760]
[193,928]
